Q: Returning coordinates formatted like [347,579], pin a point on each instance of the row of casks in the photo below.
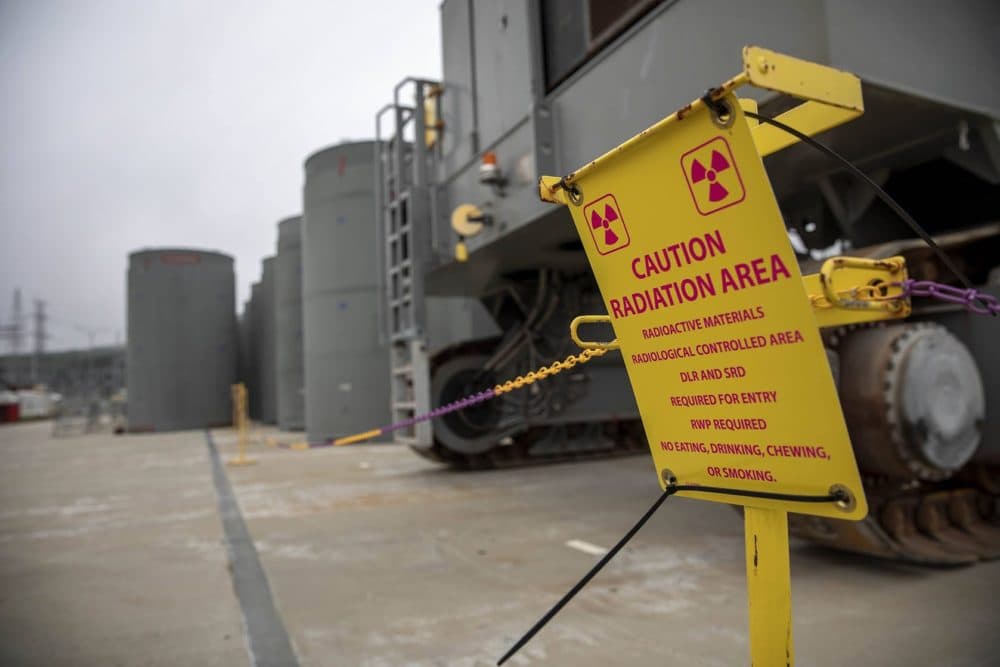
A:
[307,343]
[270,330]
[315,358]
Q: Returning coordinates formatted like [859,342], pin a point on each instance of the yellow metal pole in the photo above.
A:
[242,428]
[769,587]
[233,392]
[240,423]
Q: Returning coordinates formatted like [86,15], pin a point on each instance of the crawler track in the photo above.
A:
[626,438]
[954,523]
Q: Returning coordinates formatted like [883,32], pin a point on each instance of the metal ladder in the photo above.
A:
[404,196]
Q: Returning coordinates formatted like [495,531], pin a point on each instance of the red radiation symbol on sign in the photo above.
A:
[716,191]
[607,227]
[712,176]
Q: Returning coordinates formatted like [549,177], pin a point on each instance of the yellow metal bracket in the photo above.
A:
[852,290]
[829,97]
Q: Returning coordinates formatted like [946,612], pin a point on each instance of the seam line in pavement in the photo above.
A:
[267,639]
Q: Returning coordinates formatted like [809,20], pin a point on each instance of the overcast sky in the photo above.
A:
[175,122]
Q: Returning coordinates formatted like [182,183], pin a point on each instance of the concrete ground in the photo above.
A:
[112,552]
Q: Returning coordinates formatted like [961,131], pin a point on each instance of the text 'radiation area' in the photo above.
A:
[660,294]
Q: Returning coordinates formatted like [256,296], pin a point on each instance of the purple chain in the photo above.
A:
[437,412]
[443,410]
[972,300]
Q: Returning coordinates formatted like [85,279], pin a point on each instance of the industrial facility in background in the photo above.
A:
[532,88]
[430,270]
[39,383]
[98,372]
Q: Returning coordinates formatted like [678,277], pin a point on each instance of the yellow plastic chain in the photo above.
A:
[546,371]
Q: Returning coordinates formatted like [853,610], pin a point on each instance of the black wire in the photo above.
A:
[767,495]
[671,489]
[587,577]
[881,193]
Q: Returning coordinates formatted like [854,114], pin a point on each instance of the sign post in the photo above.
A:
[769,586]
[689,249]
[239,394]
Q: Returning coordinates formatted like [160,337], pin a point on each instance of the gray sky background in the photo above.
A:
[175,122]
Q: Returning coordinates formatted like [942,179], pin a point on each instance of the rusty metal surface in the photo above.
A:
[929,524]
[865,358]
[908,416]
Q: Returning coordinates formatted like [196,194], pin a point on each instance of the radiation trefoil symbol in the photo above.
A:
[606,224]
[712,176]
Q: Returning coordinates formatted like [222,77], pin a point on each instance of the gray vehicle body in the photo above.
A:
[546,89]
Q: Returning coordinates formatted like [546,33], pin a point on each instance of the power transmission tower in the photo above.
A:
[17,324]
[40,336]
[91,378]
[13,333]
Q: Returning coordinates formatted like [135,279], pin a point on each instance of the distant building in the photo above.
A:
[96,372]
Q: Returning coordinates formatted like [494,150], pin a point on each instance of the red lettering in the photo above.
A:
[743,273]
[778,268]
[759,272]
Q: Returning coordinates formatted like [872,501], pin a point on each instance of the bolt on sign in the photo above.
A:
[689,249]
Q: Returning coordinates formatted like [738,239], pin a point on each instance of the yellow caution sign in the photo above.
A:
[690,252]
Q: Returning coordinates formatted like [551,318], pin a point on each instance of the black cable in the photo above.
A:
[587,577]
[767,495]
[671,489]
[879,191]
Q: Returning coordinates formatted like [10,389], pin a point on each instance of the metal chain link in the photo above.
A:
[468,401]
[972,300]
[545,371]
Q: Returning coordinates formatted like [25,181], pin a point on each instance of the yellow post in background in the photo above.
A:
[239,394]
[769,587]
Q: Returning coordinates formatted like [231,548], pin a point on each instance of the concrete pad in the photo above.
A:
[111,552]
[377,558]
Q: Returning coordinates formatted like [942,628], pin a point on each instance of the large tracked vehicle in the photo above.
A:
[482,278]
